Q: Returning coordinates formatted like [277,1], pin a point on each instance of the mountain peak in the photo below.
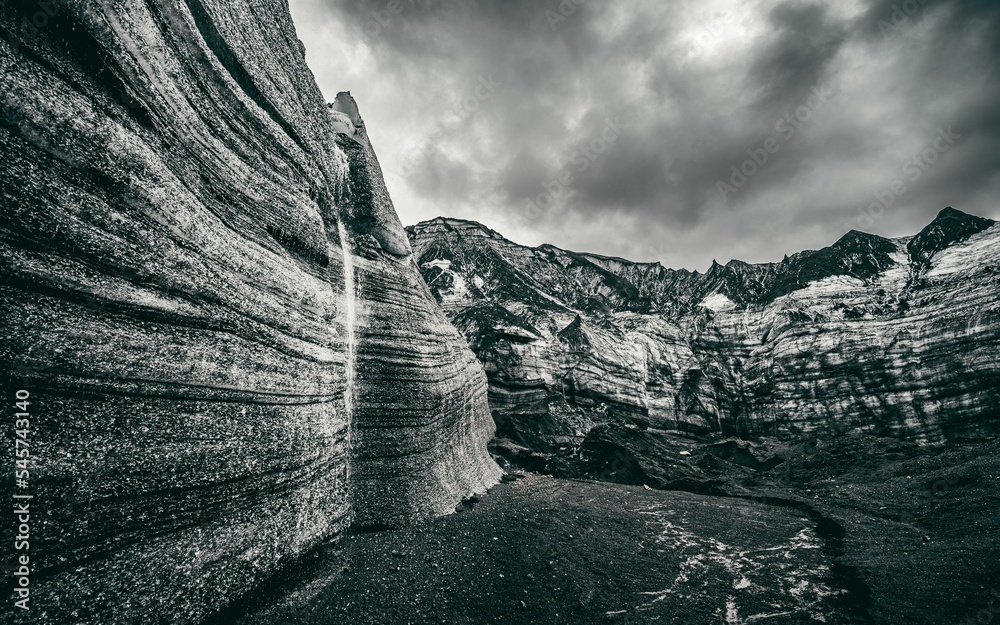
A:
[346,104]
[858,254]
[854,238]
[949,212]
[346,118]
[456,225]
[951,226]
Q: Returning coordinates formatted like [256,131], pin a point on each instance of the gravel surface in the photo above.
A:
[547,550]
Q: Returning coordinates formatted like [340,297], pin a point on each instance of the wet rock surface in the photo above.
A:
[420,419]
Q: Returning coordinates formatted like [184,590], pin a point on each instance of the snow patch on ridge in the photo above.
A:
[341,122]
[717,302]
[968,255]
[440,263]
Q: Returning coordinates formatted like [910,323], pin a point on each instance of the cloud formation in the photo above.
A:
[623,128]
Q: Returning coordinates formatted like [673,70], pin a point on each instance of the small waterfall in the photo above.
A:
[350,308]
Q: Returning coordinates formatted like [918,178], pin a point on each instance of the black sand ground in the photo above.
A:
[848,531]
[545,550]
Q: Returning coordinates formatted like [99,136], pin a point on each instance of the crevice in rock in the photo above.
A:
[227,57]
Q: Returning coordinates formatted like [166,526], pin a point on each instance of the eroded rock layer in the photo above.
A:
[178,303]
[898,337]
[411,457]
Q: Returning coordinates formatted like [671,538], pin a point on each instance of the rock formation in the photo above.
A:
[413,369]
[217,383]
[892,336]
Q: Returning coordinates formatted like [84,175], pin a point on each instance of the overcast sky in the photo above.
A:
[629,128]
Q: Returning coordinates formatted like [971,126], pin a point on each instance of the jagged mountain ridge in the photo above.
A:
[650,287]
[896,336]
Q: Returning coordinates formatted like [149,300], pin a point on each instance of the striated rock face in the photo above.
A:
[420,423]
[898,337]
[217,384]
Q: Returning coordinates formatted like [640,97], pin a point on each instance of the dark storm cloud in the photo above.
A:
[609,127]
[804,39]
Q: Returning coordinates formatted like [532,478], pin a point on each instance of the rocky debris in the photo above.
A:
[744,453]
[894,337]
[177,204]
[510,456]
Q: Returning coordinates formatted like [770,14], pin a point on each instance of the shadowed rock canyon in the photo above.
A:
[256,398]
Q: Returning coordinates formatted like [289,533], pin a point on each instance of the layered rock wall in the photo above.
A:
[177,303]
[420,412]
[899,337]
